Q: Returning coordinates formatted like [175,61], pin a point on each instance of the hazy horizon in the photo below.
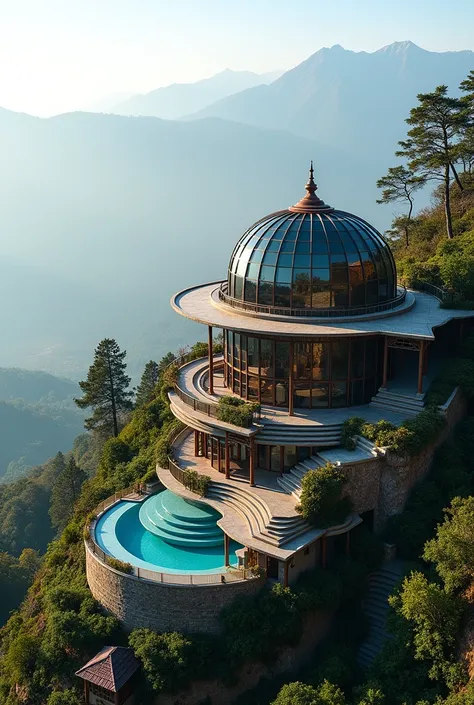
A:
[85,55]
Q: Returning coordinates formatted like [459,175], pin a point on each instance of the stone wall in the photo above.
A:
[143,603]
[383,484]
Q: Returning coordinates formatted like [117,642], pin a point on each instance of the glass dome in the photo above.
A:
[312,256]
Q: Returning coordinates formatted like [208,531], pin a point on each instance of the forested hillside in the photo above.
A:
[38,417]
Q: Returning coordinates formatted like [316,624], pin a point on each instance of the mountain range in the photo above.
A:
[103,217]
[355,101]
[172,102]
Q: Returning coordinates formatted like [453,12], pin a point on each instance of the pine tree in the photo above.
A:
[432,145]
[399,184]
[65,493]
[106,388]
[147,384]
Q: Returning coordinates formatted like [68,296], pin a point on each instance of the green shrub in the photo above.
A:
[64,697]
[236,411]
[350,428]
[196,482]
[318,590]
[321,501]
[165,658]
[150,477]
[121,566]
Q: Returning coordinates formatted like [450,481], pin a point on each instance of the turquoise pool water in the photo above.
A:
[165,533]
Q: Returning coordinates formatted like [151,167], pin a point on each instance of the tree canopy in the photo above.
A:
[106,389]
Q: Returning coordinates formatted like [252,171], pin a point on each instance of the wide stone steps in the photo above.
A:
[291,481]
[375,605]
[313,435]
[405,404]
[366,445]
[262,525]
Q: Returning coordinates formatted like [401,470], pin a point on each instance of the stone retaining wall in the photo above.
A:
[383,484]
[143,603]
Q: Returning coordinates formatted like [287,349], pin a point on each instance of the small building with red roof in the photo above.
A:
[109,676]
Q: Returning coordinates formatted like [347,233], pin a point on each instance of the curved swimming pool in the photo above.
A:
[165,533]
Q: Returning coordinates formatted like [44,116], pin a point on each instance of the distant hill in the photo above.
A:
[356,101]
[104,217]
[172,102]
[38,418]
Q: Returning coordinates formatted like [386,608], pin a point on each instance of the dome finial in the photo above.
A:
[310,203]
[311,186]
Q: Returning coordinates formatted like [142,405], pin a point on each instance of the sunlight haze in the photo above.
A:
[58,56]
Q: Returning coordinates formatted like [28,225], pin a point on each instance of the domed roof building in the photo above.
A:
[312,257]
[315,330]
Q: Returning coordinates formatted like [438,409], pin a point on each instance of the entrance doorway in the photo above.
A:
[272,568]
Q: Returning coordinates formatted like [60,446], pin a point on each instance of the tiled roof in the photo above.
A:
[111,668]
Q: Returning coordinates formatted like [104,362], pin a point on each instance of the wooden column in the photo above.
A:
[86,692]
[348,543]
[227,454]
[226,550]
[196,444]
[285,575]
[323,552]
[421,353]
[219,462]
[206,449]
[290,382]
[385,363]
[252,462]
[211,361]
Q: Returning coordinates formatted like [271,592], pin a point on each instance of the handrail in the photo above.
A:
[334,312]
[209,408]
[443,295]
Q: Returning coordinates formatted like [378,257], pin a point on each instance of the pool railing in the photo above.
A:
[185,579]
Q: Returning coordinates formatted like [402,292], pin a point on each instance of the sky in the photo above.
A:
[64,55]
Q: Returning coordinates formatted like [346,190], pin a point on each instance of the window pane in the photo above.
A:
[338,394]
[253,360]
[282,361]
[301,288]
[302,361]
[253,388]
[357,358]
[320,396]
[250,291]
[340,359]
[290,456]
[302,395]
[275,459]
[281,392]
[320,361]
[238,287]
[266,391]
[265,293]
[266,358]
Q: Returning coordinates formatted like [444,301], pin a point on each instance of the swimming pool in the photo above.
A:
[165,533]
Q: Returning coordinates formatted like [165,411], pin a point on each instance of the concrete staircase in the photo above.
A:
[262,525]
[291,481]
[367,446]
[375,606]
[300,435]
[407,404]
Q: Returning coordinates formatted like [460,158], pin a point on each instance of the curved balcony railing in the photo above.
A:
[334,312]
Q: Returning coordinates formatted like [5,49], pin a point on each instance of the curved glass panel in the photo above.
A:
[326,374]
[312,261]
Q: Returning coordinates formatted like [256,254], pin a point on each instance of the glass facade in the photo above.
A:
[325,374]
[312,260]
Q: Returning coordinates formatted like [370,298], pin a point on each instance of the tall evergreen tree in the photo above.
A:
[106,388]
[65,493]
[432,145]
[399,184]
[147,384]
